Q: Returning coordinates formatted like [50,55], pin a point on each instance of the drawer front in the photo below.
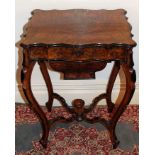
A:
[38,53]
[96,53]
[71,54]
[77,54]
[99,53]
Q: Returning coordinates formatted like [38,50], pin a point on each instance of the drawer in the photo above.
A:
[38,53]
[100,53]
[81,54]
[77,54]
[69,53]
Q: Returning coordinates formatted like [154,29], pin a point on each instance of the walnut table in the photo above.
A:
[78,43]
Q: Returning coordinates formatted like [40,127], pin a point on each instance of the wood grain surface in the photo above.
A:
[78,27]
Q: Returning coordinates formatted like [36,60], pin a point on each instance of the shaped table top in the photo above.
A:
[78,27]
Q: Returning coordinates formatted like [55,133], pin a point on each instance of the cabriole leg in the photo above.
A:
[26,83]
[46,77]
[130,77]
[110,85]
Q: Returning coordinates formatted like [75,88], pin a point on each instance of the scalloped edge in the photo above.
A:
[78,45]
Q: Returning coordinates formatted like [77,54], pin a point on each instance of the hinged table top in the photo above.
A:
[78,27]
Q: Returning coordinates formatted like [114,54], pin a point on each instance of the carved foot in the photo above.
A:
[43,143]
[115,143]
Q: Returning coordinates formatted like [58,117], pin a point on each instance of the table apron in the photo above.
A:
[76,54]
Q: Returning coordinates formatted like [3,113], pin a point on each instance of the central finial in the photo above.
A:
[78,105]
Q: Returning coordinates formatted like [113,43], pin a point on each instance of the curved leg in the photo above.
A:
[110,85]
[130,76]
[26,81]
[46,77]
